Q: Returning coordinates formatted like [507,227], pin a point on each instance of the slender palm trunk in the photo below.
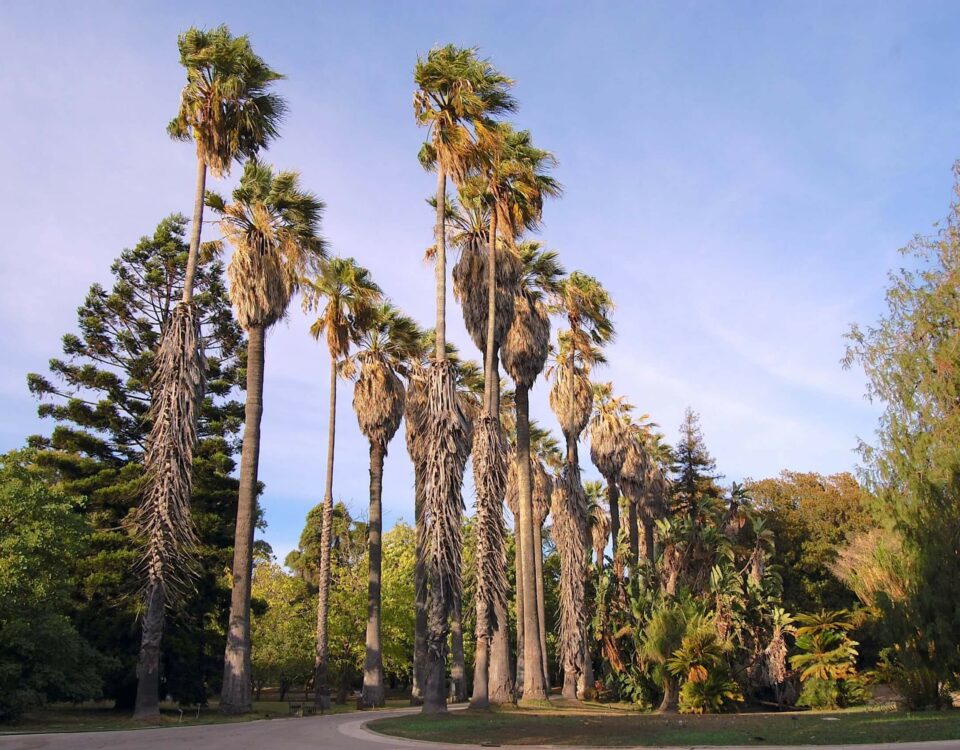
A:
[671,695]
[438,604]
[321,697]
[648,538]
[481,663]
[420,596]
[634,534]
[613,502]
[528,615]
[518,577]
[147,707]
[372,694]
[541,609]
[195,229]
[235,695]
[458,666]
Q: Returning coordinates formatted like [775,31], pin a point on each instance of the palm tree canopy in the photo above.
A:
[387,345]
[226,106]
[456,89]
[609,429]
[273,226]
[345,295]
[587,306]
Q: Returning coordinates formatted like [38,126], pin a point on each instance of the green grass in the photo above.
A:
[100,717]
[523,727]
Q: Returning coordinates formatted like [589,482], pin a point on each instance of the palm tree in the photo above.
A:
[598,519]
[633,479]
[387,345]
[272,225]
[608,446]
[586,305]
[544,452]
[345,295]
[227,109]
[455,91]
[525,351]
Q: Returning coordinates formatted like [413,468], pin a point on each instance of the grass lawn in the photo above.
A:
[98,717]
[530,727]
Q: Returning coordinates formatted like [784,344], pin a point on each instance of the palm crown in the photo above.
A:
[350,296]
[226,106]
[272,224]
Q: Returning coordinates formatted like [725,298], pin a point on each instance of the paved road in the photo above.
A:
[337,732]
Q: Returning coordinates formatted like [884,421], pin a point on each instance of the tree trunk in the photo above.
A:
[648,539]
[147,707]
[613,501]
[195,229]
[529,618]
[420,597]
[634,534]
[440,266]
[541,609]
[458,667]
[235,694]
[321,697]
[671,696]
[501,675]
[372,694]
[481,662]
[518,577]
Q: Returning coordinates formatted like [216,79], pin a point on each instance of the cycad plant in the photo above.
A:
[455,91]
[386,346]
[345,295]
[229,112]
[272,225]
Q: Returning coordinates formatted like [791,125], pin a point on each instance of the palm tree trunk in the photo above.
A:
[501,676]
[321,697]
[147,707]
[235,695]
[372,695]
[518,577]
[634,534]
[420,596]
[440,265]
[529,619]
[481,661]
[541,609]
[670,696]
[195,228]
[648,538]
[458,666]
[613,502]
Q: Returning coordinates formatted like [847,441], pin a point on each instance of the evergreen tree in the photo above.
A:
[98,394]
[695,470]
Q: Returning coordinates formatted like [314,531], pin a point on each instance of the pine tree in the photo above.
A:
[98,395]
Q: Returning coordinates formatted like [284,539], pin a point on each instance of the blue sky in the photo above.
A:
[739,175]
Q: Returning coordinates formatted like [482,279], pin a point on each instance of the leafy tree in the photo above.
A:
[911,356]
[282,631]
[98,394]
[812,517]
[42,656]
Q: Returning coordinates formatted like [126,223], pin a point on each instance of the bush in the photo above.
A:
[818,693]
[916,682]
[713,694]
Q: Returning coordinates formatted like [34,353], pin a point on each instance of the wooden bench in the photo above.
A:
[301,709]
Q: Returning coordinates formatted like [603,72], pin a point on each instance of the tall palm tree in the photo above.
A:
[272,225]
[525,351]
[386,347]
[544,453]
[227,109]
[608,446]
[598,519]
[455,91]
[587,306]
[345,295]
[633,479]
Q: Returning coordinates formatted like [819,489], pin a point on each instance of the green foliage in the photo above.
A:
[911,356]
[827,660]
[42,657]
[98,394]
[812,516]
[917,684]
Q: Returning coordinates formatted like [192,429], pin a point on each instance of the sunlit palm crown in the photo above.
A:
[609,430]
[587,306]
[527,343]
[386,346]
[456,89]
[572,422]
[345,295]
[272,225]
[226,106]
